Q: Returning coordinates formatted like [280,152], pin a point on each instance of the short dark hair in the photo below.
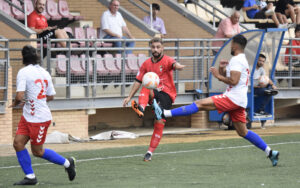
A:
[241,40]
[155,6]
[156,39]
[297,28]
[30,55]
[263,56]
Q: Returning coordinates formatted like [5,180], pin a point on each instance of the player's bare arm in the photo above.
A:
[18,99]
[50,98]
[222,67]
[133,91]
[178,66]
[232,80]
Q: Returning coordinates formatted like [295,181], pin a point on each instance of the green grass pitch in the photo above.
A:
[220,163]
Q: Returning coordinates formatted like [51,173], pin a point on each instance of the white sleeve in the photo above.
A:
[263,72]
[50,89]
[104,21]
[236,65]
[123,23]
[21,81]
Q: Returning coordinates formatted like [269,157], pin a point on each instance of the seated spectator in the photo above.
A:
[157,22]
[38,23]
[113,26]
[255,12]
[228,27]
[295,51]
[287,8]
[262,91]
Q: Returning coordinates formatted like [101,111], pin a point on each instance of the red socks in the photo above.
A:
[156,136]
[144,97]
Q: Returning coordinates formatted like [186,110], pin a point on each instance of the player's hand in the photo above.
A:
[178,66]
[126,101]
[214,72]
[274,87]
[223,63]
[255,7]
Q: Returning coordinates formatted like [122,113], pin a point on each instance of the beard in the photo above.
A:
[40,10]
[232,53]
[156,55]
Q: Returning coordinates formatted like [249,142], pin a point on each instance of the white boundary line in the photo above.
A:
[162,153]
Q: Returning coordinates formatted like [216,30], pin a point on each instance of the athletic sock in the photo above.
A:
[256,140]
[267,151]
[67,163]
[182,111]
[53,157]
[30,176]
[25,162]
[156,136]
[144,97]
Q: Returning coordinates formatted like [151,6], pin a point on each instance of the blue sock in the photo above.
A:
[256,140]
[25,161]
[53,157]
[185,110]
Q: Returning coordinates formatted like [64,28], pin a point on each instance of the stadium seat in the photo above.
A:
[192,8]
[52,10]
[47,16]
[101,70]
[16,12]
[83,61]
[61,66]
[29,6]
[132,63]
[110,65]
[80,34]
[141,59]
[220,7]
[75,66]
[63,10]
[5,7]
[202,14]
[119,64]
[104,44]
[91,33]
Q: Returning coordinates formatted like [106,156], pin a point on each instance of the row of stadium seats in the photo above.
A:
[54,11]
[106,65]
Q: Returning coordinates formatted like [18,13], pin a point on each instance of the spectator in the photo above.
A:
[113,26]
[38,23]
[228,27]
[157,22]
[287,8]
[295,51]
[255,12]
[262,91]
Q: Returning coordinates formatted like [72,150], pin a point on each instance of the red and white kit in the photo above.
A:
[234,99]
[37,83]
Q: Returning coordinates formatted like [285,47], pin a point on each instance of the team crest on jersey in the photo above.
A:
[161,68]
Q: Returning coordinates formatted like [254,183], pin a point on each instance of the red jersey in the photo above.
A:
[37,21]
[164,69]
[296,50]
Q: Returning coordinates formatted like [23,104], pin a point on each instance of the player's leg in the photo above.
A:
[61,34]
[21,139]
[238,117]
[38,132]
[145,96]
[199,105]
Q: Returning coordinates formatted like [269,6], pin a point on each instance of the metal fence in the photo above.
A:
[4,64]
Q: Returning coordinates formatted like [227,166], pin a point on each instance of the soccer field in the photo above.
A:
[218,163]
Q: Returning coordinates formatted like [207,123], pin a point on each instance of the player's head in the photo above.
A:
[114,6]
[297,31]
[261,60]
[157,48]
[155,9]
[40,6]
[238,44]
[30,55]
[235,17]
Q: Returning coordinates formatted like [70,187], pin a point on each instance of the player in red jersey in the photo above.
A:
[165,94]
[38,22]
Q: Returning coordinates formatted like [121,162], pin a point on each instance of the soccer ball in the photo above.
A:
[151,80]
[264,81]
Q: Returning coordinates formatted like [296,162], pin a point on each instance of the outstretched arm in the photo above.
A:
[178,66]
[232,80]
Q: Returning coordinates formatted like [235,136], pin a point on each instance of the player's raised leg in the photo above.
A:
[146,96]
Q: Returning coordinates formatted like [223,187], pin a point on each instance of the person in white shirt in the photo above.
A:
[34,90]
[235,74]
[113,26]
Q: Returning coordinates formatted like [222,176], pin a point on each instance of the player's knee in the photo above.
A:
[37,152]
[18,145]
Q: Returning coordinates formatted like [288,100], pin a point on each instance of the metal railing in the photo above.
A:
[94,75]
[4,64]
[148,12]
[24,10]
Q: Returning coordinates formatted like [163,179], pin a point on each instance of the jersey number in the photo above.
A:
[44,86]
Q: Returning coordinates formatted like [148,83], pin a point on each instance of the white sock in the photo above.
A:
[30,176]
[67,163]
[267,151]
[149,152]
[167,113]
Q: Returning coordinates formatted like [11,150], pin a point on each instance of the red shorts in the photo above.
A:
[224,104]
[36,131]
